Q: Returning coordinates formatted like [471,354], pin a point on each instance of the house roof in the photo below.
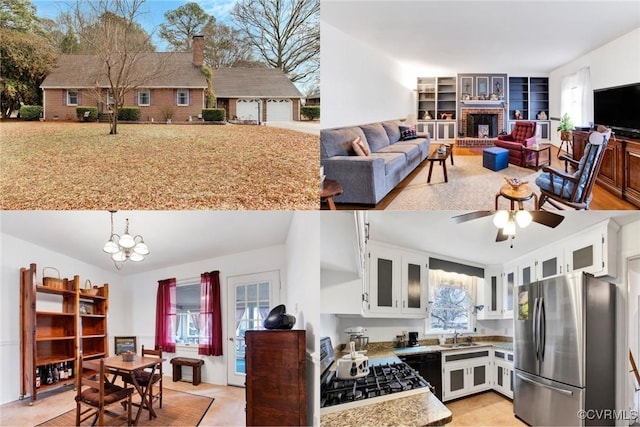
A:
[253,82]
[84,71]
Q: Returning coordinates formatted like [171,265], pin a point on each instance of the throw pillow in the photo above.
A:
[360,147]
[407,132]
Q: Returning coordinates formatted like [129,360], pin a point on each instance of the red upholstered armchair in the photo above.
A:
[522,135]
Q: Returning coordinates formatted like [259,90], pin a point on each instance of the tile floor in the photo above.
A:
[228,409]
[484,409]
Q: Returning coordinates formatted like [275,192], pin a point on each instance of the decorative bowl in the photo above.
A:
[515,183]
[128,357]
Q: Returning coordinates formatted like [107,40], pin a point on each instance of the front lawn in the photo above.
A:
[53,165]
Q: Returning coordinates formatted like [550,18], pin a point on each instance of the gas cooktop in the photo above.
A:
[384,382]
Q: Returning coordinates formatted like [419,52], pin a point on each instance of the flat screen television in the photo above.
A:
[618,108]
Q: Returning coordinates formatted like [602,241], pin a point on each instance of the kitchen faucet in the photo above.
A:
[456,334]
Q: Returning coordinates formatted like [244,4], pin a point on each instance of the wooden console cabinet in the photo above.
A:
[276,378]
[620,169]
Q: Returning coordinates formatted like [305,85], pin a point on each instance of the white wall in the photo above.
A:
[613,64]
[14,254]
[143,289]
[303,294]
[358,83]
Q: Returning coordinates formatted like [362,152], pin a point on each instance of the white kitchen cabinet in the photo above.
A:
[465,372]
[397,283]
[549,262]
[593,250]
[498,293]
[527,271]
[509,282]
[503,372]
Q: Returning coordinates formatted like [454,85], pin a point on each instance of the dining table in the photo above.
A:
[120,368]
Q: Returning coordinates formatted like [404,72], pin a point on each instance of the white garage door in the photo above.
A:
[279,110]
[247,109]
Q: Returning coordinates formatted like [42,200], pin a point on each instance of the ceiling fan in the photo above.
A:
[506,220]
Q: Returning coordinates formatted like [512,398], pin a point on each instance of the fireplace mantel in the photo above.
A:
[479,104]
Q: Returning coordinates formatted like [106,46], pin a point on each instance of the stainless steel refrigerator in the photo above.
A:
[564,336]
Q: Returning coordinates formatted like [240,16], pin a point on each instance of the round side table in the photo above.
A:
[519,195]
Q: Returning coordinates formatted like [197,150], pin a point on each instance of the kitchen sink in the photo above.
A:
[460,344]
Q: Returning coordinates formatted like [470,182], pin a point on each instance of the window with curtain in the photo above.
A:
[166,315]
[187,330]
[576,97]
[210,340]
[451,300]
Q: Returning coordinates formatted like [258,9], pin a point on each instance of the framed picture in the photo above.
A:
[466,86]
[124,343]
[86,308]
[482,86]
[497,86]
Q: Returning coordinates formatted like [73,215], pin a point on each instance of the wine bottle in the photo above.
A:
[49,375]
[63,371]
[69,369]
[37,377]
[56,373]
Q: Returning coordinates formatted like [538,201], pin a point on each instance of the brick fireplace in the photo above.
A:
[482,116]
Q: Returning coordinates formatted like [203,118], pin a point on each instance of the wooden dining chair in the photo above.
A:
[146,378]
[96,393]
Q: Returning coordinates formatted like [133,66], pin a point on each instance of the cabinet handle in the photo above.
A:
[396,303]
[403,304]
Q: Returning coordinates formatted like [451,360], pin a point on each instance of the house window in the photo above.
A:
[451,302]
[576,97]
[183,97]
[72,97]
[188,322]
[144,97]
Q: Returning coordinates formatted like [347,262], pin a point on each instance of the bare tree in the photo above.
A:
[285,34]
[225,47]
[122,51]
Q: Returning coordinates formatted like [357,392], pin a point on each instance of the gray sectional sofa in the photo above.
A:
[367,179]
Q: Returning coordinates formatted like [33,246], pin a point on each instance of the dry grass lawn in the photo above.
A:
[51,165]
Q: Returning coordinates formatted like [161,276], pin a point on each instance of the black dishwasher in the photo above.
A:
[429,367]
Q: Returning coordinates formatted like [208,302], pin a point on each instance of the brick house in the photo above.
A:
[242,92]
[260,94]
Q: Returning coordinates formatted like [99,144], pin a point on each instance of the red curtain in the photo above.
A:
[210,342]
[166,315]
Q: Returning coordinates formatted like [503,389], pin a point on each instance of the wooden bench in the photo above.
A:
[179,362]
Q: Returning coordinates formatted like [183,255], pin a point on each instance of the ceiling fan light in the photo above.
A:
[126,241]
[501,219]
[135,257]
[509,229]
[110,247]
[119,257]
[523,218]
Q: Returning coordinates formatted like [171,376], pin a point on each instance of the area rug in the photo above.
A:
[178,409]
[470,187]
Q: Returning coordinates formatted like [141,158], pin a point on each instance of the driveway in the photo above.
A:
[312,128]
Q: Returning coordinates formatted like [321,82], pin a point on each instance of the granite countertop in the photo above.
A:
[422,409]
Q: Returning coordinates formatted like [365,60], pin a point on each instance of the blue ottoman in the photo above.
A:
[495,158]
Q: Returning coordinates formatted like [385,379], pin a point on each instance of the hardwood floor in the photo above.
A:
[602,199]
[484,409]
[226,410]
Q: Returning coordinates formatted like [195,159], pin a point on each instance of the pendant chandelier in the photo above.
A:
[125,247]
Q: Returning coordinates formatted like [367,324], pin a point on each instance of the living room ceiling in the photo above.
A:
[435,232]
[173,237]
[519,36]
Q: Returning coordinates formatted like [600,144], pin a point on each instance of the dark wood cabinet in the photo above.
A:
[276,382]
[632,171]
[620,169]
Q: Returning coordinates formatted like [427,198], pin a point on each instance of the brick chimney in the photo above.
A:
[198,50]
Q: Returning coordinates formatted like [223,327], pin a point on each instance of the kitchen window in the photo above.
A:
[72,97]
[188,318]
[450,302]
[183,97]
[144,97]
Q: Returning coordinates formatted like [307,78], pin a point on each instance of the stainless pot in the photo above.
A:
[360,341]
